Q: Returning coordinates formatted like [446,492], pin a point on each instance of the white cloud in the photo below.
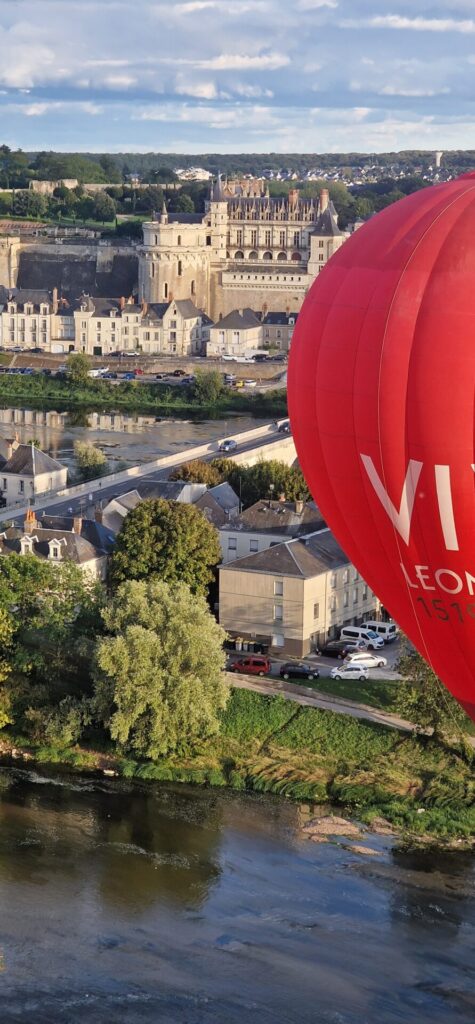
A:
[40,109]
[393,90]
[253,92]
[315,5]
[119,81]
[201,90]
[398,22]
[243,62]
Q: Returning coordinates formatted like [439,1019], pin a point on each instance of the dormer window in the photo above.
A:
[44,310]
[11,307]
[26,545]
[113,312]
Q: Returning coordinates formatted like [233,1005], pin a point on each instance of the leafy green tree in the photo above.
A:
[184,204]
[60,725]
[159,683]
[197,472]
[104,207]
[426,702]
[166,539]
[79,365]
[208,387]
[91,461]
[264,480]
[109,167]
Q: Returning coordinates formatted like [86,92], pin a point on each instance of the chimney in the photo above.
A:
[98,515]
[77,525]
[122,302]
[30,523]
[293,198]
[241,312]
[144,307]
[299,507]
[324,199]
[55,300]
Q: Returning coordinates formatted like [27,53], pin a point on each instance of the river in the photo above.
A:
[130,438]
[130,903]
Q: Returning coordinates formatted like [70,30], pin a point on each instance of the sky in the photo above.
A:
[196,76]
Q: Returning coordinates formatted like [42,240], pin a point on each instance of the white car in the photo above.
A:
[349,671]
[367,660]
[250,383]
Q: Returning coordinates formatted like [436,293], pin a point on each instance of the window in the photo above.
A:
[239,238]
[345,599]
[297,238]
[355,595]
[278,640]
[147,336]
[346,576]
[21,486]
[232,544]
[178,241]
[316,611]
[253,239]
[278,613]
[236,337]
[278,588]
[172,335]
[179,268]
[55,552]
[281,239]
[333,579]
[165,291]
[268,238]
[50,483]
[253,545]
[83,325]
[173,324]
[356,574]
[333,603]
[43,325]
[321,244]
[365,592]
[193,289]
[4,483]
[221,337]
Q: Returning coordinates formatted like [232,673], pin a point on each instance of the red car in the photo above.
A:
[253,665]
[138,371]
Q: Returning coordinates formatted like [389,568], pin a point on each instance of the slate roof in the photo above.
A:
[225,496]
[278,517]
[326,223]
[95,533]
[280,319]
[239,319]
[187,308]
[30,461]
[25,295]
[313,556]
[73,547]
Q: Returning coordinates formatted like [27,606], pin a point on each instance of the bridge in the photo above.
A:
[264,442]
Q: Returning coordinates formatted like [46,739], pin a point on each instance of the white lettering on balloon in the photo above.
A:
[401,518]
[422,577]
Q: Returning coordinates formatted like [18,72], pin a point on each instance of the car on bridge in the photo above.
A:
[229,445]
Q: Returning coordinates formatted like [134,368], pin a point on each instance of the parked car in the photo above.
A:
[47,372]
[371,639]
[366,660]
[190,379]
[253,665]
[161,376]
[349,671]
[250,383]
[179,373]
[298,670]
[138,371]
[228,446]
[340,648]
[128,376]
[284,428]
[388,630]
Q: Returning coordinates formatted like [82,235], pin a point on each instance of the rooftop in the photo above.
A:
[30,461]
[313,556]
[285,518]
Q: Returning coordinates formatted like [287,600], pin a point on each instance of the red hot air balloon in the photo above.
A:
[382,403]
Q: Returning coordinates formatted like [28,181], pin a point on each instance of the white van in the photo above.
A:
[368,636]
[388,630]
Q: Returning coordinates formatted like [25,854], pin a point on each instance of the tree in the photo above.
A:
[184,204]
[104,207]
[169,540]
[426,702]
[91,461]
[79,365]
[208,387]
[197,472]
[264,480]
[109,166]
[159,684]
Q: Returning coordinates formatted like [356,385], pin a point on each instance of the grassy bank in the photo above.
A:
[270,745]
[136,397]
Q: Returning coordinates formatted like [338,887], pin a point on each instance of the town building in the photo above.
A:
[26,472]
[58,540]
[218,504]
[293,596]
[246,251]
[266,523]
[237,335]
[277,330]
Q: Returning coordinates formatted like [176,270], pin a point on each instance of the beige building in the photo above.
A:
[277,330]
[267,523]
[293,596]
[247,251]
[237,335]
[28,472]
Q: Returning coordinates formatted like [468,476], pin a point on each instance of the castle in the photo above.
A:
[248,250]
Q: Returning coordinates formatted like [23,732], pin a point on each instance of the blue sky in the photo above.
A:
[237,75]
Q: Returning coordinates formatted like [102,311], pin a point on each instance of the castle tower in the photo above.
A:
[218,212]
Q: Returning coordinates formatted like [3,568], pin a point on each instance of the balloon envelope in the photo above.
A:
[381,387]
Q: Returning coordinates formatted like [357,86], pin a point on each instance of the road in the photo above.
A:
[104,492]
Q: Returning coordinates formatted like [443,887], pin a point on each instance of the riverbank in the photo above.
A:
[268,745]
[137,397]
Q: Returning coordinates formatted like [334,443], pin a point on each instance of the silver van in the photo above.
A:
[371,639]
[388,630]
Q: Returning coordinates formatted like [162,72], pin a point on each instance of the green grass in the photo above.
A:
[378,693]
[270,745]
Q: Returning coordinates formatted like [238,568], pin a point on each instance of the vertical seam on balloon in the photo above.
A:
[388,316]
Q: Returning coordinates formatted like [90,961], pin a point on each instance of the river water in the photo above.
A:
[124,437]
[125,902]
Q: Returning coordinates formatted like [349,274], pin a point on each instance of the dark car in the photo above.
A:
[47,372]
[284,428]
[298,670]
[161,376]
[179,373]
[340,648]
